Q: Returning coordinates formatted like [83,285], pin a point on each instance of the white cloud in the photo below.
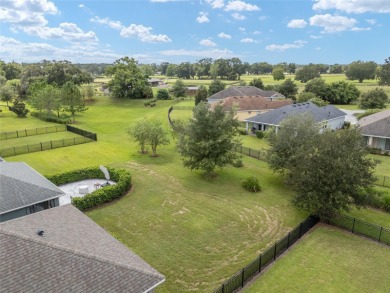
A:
[354,6]
[202,18]
[238,16]
[111,23]
[318,48]
[263,18]
[143,34]
[247,40]
[296,45]
[358,29]
[333,24]
[11,49]
[297,23]
[215,53]
[67,31]
[315,37]
[240,6]
[26,12]
[81,5]
[256,32]
[216,3]
[371,21]
[242,29]
[224,36]
[207,43]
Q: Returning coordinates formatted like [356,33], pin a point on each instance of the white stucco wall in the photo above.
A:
[336,123]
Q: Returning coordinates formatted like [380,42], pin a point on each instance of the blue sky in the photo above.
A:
[153,31]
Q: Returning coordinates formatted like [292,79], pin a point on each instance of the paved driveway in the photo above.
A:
[350,117]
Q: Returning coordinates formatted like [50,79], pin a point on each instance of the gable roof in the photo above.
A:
[22,186]
[319,114]
[252,103]
[74,255]
[243,91]
[377,124]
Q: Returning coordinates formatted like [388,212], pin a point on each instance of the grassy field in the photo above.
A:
[372,216]
[328,260]
[195,231]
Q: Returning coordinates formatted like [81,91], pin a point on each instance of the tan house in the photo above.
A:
[376,130]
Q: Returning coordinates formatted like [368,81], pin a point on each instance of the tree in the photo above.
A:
[328,171]
[261,68]
[288,88]
[305,97]
[139,132]
[203,67]
[128,81]
[185,70]
[45,96]
[72,100]
[257,82]
[163,94]
[318,87]
[12,70]
[307,72]
[360,70]
[291,67]
[342,92]
[336,68]
[334,175]
[157,136]
[19,108]
[319,102]
[209,139]
[374,99]
[63,71]
[179,88]
[216,86]
[171,70]
[384,73]
[89,92]
[201,95]
[6,93]
[277,73]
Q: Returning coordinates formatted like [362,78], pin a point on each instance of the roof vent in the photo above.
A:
[40,232]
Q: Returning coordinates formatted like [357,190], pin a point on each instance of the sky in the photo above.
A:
[175,31]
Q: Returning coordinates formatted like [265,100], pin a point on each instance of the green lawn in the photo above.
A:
[372,216]
[328,260]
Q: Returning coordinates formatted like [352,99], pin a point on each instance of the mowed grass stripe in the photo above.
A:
[328,260]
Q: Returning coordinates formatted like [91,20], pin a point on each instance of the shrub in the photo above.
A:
[99,196]
[367,113]
[386,203]
[238,163]
[260,134]
[242,131]
[146,104]
[163,94]
[51,118]
[347,124]
[251,184]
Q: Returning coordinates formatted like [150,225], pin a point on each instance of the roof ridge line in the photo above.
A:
[78,252]
[36,184]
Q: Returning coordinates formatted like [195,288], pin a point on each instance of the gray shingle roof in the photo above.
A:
[319,114]
[74,255]
[21,186]
[241,91]
[377,124]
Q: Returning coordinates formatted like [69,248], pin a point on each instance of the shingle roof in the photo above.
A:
[242,91]
[319,114]
[377,124]
[21,186]
[74,255]
[252,103]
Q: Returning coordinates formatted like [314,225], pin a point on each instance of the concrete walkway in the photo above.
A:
[350,115]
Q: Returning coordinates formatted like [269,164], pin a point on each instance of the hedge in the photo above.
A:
[99,196]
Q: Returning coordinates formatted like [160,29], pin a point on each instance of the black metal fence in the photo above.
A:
[31,132]
[81,132]
[43,146]
[263,260]
[357,226]
[182,107]
[383,181]
[257,154]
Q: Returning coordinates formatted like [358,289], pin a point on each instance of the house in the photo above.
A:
[330,116]
[62,250]
[375,129]
[154,81]
[244,91]
[191,90]
[24,191]
[248,106]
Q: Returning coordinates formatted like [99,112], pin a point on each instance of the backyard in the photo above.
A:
[196,232]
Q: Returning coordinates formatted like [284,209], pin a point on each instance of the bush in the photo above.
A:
[386,203]
[367,113]
[51,118]
[251,184]
[238,163]
[163,94]
[347,124]
[260,134]
[99,196]
[242,131]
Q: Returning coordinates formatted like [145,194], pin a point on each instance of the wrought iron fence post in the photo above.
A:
[260,263]
[242,278]
[380,235]
[288,240]
[353,225]
[275,251]
[223,288]
[300,230]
